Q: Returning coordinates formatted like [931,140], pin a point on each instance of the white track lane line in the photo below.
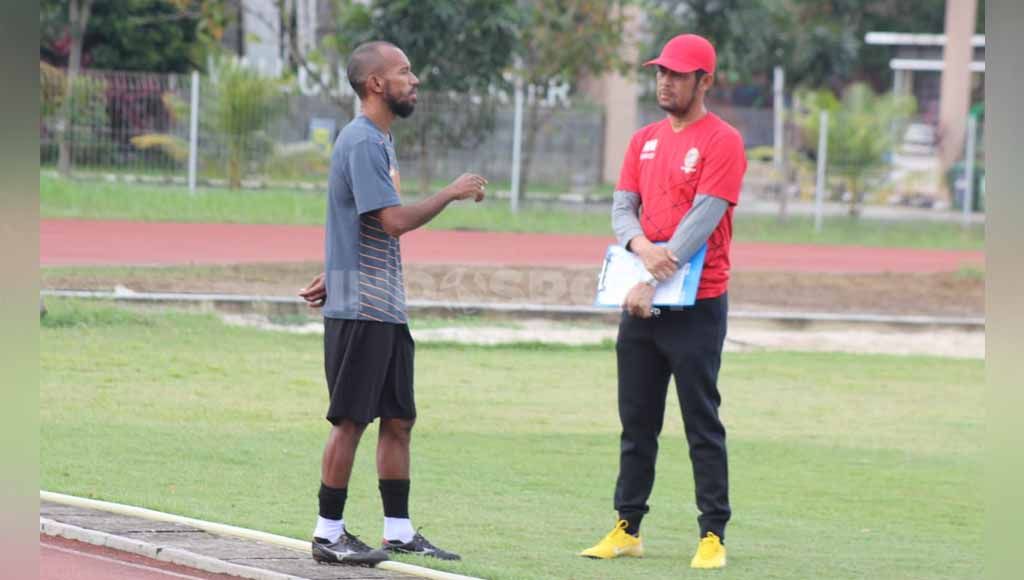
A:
[128,564]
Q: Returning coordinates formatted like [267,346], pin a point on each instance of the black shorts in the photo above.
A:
[369,370]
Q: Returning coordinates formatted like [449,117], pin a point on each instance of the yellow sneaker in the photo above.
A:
[616,543]
[710,553]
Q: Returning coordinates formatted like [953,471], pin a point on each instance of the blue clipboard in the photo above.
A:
[622,270]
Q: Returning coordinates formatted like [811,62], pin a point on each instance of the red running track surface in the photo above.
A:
[61,559]
[87,242]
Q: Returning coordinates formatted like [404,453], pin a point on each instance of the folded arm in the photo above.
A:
[697,226]
[625,217]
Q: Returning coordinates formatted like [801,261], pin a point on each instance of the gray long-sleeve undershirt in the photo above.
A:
[693,230]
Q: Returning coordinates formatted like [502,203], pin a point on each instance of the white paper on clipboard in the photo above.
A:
[622,270]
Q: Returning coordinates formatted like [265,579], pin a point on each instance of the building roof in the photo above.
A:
[912,39]
[917,64]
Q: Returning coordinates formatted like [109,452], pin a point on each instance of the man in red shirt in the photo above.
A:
[679,184]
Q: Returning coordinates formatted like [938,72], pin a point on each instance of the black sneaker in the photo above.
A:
[418,545]
[347,550]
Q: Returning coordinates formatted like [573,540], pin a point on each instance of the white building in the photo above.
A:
[260,36]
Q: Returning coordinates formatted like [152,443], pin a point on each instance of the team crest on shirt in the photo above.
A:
[649,148]
[690,161]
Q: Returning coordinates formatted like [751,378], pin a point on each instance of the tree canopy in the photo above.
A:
[134,35]
[820,43]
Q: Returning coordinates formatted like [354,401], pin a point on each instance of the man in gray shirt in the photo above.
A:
[368,351]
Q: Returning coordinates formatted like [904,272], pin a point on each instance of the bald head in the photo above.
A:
[367,59]
[381,75]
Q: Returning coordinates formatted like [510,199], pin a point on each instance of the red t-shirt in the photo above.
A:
[668,169]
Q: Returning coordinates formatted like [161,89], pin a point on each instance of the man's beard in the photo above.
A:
[681,111]
[676,110]
[400,108]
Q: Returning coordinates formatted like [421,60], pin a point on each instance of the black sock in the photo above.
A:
[632,523]
[395,495]
[332,501]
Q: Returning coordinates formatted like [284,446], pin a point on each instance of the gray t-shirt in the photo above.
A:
[363,263]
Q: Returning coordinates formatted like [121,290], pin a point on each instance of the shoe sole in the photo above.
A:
[622,555]
[722,565]
[423,554]
[352,560]
[366,563]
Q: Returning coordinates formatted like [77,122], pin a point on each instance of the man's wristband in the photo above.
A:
[650,280]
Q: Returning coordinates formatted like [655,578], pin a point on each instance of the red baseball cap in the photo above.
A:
[686,53]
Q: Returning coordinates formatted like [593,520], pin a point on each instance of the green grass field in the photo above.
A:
[61,198]
[842,466]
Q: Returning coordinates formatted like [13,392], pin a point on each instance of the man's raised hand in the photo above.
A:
[466,186]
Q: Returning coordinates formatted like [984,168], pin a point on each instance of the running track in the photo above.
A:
[61,559]
[85,242]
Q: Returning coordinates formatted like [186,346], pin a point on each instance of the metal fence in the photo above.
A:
[254,131]
[104,112]
[833,158]
[137,125]
[450,134]
[872,151]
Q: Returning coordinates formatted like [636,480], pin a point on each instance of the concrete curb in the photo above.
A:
[233,531]
[161,553]
[541,310]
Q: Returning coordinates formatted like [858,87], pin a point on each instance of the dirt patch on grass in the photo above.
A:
[950,294]
[946,294]
[744,336]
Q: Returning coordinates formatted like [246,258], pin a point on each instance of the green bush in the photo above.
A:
[862,132]
[242,105]
[299,162]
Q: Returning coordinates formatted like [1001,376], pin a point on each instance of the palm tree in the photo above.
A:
[243,104]
[862,130]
